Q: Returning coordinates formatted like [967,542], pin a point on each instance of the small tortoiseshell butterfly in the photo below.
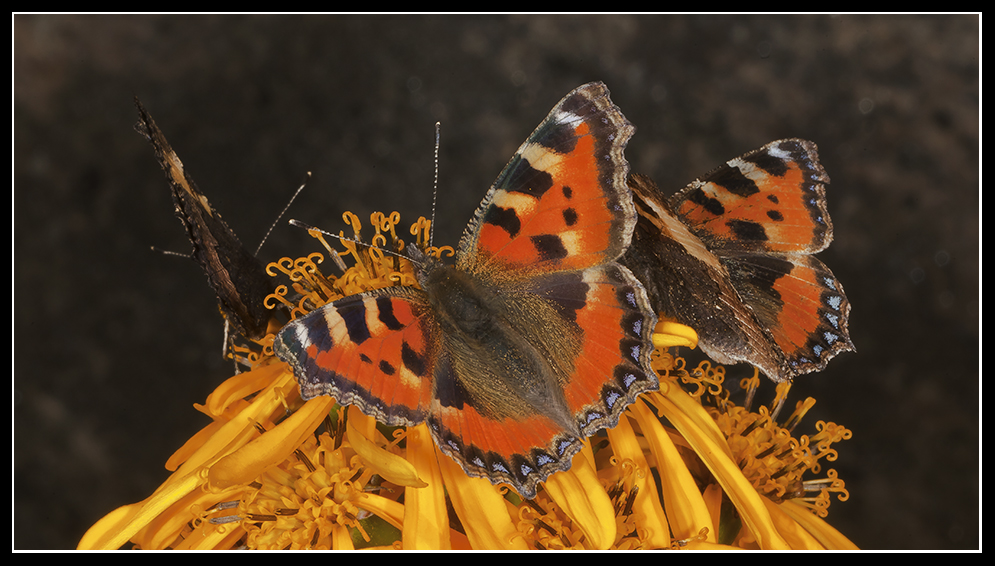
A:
[730,256]
[238,278]
[535,339]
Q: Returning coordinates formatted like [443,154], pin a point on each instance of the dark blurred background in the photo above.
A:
[113,342]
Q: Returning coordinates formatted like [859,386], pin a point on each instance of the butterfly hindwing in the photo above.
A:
[609,368]
[800,301]
[588,350]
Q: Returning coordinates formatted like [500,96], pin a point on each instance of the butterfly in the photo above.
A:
[731,257]
[535,338]
[238,278]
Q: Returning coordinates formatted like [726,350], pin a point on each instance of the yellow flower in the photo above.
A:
[684,468]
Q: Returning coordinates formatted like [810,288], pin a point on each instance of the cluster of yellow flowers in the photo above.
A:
[684,468]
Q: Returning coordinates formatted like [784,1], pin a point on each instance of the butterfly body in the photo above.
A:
[534,339]
[508,351]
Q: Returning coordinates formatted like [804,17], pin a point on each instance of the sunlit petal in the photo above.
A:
[582,497]
[426,521]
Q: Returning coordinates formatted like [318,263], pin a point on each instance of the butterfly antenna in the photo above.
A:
[282,212]
[299,224]
[435,184]
[167,252]
[268,232]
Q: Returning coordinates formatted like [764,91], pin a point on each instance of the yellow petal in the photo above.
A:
[821,530]
[117,527]
[646,509]
[481,508]
[686,415]
[668,334]
[341,539]
[241,386]
[387,509]
[426,521]
[240,429]
[794,533]
[712,495]
[692,411]
[685,506]
[161,531]
[269,449]
[582,497]
[392,467]
[191,446]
